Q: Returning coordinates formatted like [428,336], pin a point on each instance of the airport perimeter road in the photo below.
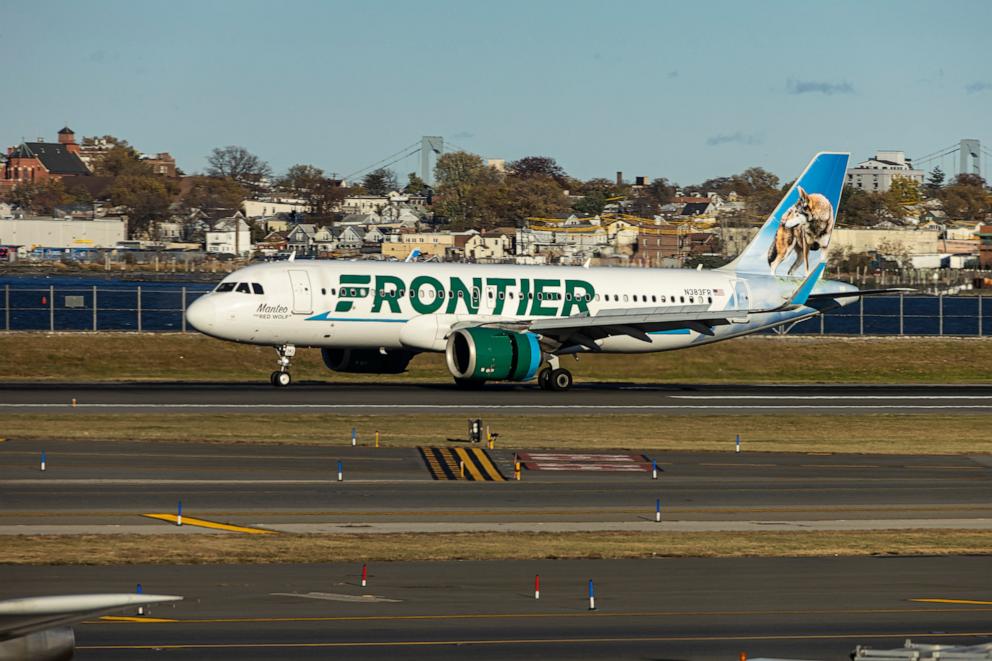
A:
[810,608]
[445,398]
[89,483]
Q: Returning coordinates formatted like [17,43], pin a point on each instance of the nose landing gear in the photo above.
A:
[281,377]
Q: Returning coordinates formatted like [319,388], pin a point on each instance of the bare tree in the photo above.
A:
[239,164]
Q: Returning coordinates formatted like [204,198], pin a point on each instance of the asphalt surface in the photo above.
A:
[811,608]
[608,399]
[88,484]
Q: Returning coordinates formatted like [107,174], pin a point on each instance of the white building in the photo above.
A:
[876,174]
[260,208]
[222,240]
[60,233]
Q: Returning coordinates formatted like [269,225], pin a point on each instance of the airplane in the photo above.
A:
[503,322]
[40,628]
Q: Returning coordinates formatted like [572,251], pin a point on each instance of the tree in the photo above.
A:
[859,208]
[239,164]
[902,194]
[145,197]
[968,179]
[649,199]
[380,182]
[935,180]
[300,179]
[514,200]
[415,185]
[121,160]
[40,198]
[538,166]
[208,193]
[461,178]
[308,183]
[966,202]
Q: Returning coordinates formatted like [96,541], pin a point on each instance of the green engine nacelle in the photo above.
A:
[492,354]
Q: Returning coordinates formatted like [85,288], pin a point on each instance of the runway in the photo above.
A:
[90,486]
[647,609]
[605,399]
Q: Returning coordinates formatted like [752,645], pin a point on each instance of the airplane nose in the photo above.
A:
[201,314]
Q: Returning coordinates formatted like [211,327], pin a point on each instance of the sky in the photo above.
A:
[684,90]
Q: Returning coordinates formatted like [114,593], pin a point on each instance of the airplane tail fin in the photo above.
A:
[794,239]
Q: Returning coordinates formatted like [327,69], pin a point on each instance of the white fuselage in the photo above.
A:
[413,306]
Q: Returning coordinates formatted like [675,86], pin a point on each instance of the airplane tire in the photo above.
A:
[281,379]
[544,379]
[561,380]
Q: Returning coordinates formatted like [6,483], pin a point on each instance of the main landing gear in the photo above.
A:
[554,377]
[281,378]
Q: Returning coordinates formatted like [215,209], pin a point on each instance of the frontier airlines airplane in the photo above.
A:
[503,322]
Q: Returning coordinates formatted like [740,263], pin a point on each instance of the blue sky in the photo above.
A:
[685,90]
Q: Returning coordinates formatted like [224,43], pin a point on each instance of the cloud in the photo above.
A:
[978,86]
[818,87]
[463,135]
[674,73]
[732,138]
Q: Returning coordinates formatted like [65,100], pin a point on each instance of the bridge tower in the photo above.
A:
[429,146]
[969,151]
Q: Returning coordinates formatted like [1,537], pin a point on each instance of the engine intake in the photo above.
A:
[366,361]
[492,354]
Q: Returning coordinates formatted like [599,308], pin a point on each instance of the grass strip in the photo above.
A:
[275,549]
[876,433]
[70,357]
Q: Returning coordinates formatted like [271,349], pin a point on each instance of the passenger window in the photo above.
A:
[225,286]
[243,288]
[257,288]
[323,291]
[654,299]
[502,295]
[624,298]
[709,299]
[635,298]
[682,299]
[333,291]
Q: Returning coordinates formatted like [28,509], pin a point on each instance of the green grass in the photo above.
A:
[193,357]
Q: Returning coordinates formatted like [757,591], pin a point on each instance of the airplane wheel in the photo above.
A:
[281,379]
[561,380]
[544,379]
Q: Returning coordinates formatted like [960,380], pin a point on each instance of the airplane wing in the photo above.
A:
[24,622]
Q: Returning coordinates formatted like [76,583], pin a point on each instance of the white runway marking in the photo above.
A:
[832,397]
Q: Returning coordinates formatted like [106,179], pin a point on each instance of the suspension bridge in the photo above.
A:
[967,156]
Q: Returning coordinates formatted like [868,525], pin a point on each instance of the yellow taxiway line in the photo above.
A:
[203,523]
[967,602]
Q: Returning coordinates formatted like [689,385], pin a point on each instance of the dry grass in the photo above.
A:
[174,357]
[863,433]
[235,549]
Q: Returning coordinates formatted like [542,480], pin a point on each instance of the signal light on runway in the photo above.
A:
[657,510]
[654,469]
[73,402]
[365,574]
[738,445]
[377,439]
[43,462]
[179,513]
[354,437]
[141,607]
[340,471]
[592,596]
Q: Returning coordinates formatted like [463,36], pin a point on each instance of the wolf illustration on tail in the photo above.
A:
[805,227]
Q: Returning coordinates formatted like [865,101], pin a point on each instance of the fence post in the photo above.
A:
[51,308]
[940,304]
[901,315]
[139,309]
[94,308]
[182,304]
[6,307]
[979,315]
[861,315]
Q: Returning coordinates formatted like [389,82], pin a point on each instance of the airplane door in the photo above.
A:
[741,294]
[302,300]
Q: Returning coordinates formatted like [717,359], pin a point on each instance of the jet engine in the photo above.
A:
[492,354]
[367,361]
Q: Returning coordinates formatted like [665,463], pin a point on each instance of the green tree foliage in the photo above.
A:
[902,194]
[380,182]
[967,198]
[461,180]
[308,183]
[415,185]
[968,179]
[145,197]
[239,164]
[859,208]
[596,194]
[121,160]
[300,179]
[649,199]
[39,198]
[531,167]
[754,180]
[215,193]
[935,180]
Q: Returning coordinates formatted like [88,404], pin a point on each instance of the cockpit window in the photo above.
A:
[244,288]
[257,288]
[225,286]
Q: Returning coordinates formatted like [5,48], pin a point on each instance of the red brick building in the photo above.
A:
[36,162]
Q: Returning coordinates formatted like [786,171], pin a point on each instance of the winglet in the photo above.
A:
[806,288]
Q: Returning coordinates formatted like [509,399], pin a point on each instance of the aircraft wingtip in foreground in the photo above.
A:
[503,322]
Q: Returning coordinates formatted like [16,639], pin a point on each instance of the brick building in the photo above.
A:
[36,162]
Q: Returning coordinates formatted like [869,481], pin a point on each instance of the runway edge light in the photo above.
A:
[738,444]
[365,574]
[592,596]
[141,607]
[537,586]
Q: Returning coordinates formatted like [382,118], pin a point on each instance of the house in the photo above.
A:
[36,162]
[230,236]
[374,235]
[877,173]
[351,238]
[325,239]
[162,164]
[430,244]
[300,238]
[489,247]
[273,242]
[273,207]
[365,218]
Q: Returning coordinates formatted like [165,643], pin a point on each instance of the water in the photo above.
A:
[162,308]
